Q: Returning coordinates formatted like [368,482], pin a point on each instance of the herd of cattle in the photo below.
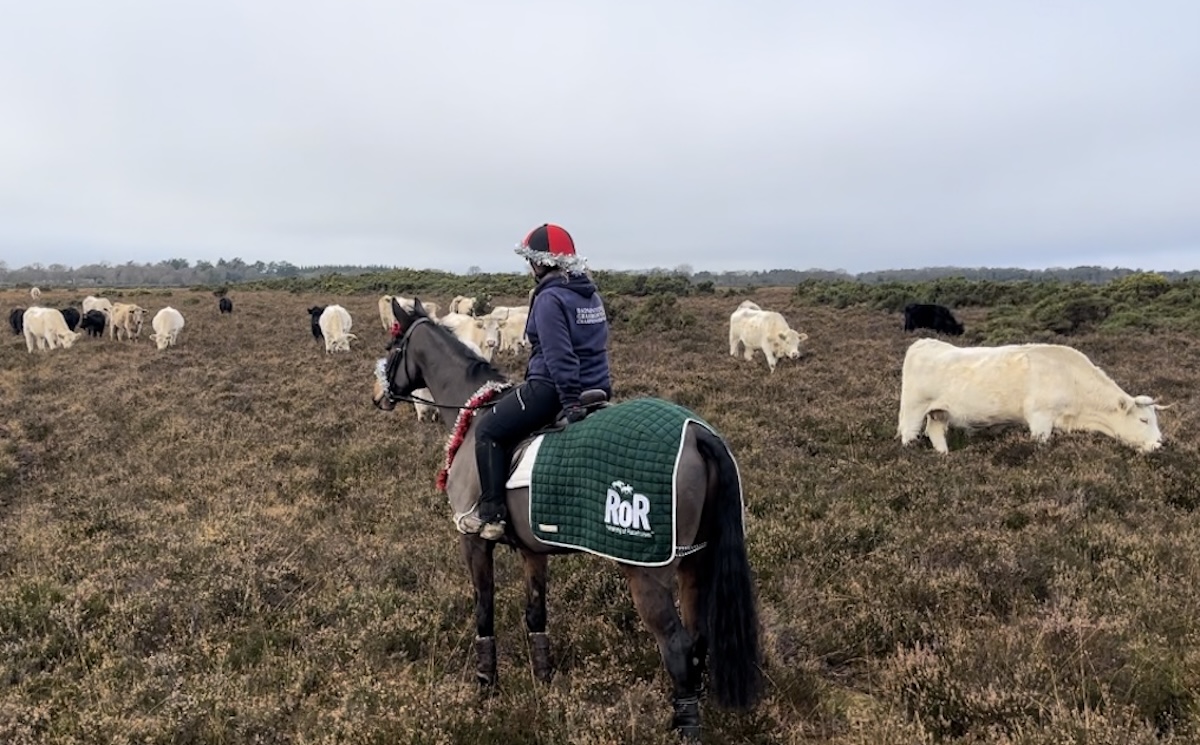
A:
[1045,387]
[54,328]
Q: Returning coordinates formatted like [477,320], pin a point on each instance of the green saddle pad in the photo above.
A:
[606,484]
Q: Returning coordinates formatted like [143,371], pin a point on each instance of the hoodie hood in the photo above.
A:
[578,283]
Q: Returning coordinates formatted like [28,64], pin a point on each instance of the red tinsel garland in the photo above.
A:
[465,415]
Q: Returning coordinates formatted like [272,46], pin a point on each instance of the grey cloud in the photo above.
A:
[768,134]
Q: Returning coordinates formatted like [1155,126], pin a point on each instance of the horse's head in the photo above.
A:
[397,375]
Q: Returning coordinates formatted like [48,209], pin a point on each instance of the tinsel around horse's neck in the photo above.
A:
[480,398]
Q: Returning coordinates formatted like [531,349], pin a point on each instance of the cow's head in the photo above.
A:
[491,332]
[1136,422]
[68,338]
[788,343]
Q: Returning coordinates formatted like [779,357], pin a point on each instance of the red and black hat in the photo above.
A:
[551,245]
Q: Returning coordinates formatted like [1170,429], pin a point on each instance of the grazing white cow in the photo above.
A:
[463,304]
[471,331]
[167,324]
[103,305]
[424,411]
[335,326]
[126,320]
[35,293]
[48,327]
[1044,386]
[504,328]
[751,328]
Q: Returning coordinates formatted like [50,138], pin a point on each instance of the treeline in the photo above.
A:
[183,273]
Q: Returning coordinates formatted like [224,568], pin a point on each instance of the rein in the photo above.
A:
[384,369]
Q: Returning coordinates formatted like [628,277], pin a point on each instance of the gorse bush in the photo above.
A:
[1030,311]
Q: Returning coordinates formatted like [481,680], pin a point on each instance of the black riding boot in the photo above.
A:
[492,460]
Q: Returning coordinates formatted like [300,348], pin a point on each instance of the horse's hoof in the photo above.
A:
[686,720]
[485,666]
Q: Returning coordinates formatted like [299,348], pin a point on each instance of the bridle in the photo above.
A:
[398,352]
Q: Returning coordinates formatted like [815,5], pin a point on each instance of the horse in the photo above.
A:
[718,629]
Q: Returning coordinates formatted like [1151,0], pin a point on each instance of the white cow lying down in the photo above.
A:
[48,328]
[753,328]
[1045,386]
[167,324]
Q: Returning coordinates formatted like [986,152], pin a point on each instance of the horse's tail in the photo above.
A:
[735,675]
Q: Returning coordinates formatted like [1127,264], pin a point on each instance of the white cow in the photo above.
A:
[48,327]
[103,305]
[1044,386]
[167,324]
[335,326]
[126,320]
[751,328]
[35,293]
[471,331]
[424,411]
[504,328]
[387,318]
[463,304]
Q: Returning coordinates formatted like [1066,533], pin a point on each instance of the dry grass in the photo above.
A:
[226,543]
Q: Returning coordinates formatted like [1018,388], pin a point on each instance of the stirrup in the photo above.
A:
[492,531]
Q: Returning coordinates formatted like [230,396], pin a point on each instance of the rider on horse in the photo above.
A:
[568,333]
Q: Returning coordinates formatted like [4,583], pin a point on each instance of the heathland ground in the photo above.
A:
[226,543]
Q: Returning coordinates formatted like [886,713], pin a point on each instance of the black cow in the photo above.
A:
[71,316]
[93,323]
[316,312]
[226,305]
[16,319]
[931,316]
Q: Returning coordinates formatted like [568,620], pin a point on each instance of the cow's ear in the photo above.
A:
[1124,403]
[783,335]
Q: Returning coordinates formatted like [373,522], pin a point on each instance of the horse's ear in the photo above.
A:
[418,309]
[399,313]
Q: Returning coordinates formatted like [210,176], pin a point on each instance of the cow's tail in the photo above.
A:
[735,655]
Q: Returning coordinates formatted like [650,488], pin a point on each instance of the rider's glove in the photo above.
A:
[574,414]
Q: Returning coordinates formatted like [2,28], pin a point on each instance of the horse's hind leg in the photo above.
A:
[478,554]
[535,615]
[693,606]
[654,599]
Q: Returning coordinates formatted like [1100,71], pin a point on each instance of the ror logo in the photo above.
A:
[626,511]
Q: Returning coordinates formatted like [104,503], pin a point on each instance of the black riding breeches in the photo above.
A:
[527,408]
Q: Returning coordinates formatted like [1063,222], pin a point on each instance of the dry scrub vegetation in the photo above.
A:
[226,543]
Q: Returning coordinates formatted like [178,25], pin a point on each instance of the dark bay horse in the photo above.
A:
[719,628]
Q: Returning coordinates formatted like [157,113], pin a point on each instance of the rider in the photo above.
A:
[568,333]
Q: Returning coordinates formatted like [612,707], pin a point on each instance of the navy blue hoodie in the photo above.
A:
[568,333]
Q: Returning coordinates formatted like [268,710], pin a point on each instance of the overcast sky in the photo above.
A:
[855,135]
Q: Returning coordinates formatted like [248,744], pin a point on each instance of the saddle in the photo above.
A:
[590,400]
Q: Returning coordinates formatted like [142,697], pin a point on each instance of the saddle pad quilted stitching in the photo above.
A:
[606,484]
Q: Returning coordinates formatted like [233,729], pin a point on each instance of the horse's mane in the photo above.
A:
[477,366]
